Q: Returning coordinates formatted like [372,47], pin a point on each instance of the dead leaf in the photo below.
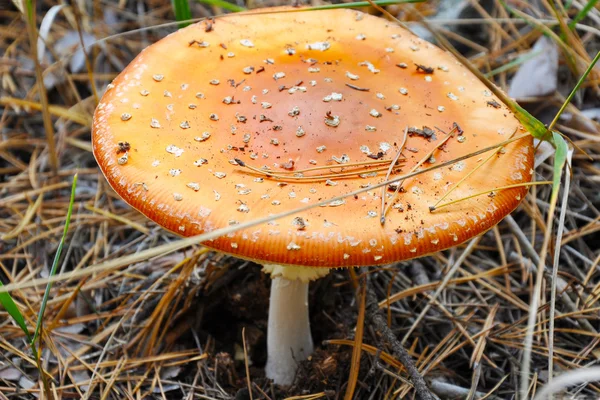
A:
[538,75]
[72,329]
[543,151]
[69,46]
[26,383]
[10,374]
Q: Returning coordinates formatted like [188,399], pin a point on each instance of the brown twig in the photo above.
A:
[378,320]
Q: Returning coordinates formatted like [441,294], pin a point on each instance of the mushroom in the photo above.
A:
[254,114]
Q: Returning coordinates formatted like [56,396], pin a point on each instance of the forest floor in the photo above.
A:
[192,323]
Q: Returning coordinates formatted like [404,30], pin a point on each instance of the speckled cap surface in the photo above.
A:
[178,130]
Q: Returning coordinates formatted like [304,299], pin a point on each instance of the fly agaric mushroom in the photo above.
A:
[254,114]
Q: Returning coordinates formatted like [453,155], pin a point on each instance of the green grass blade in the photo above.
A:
[560,158]
[537,129]
[9,305]
[30,9]
[583,13]
[182,11]
[55,263]
[575,89]
[223,4]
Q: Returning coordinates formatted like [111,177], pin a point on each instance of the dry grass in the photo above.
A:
[192,324]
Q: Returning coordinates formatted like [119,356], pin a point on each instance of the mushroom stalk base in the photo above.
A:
[288,337]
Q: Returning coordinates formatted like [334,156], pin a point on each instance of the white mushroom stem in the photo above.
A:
[288,337]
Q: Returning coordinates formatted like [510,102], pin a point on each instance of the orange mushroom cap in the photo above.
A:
[177,131]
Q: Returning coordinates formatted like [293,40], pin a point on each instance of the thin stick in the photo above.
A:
[48,127]
[378,320]
[569,378]
[516,185]
[301,171]
[413,169]
[464,178]
[535,300]
[557,248]
[286,175]
[246,363]
[358,342]
[387,176]
[88,64]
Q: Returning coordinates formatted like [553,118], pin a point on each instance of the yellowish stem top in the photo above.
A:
[293,272]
